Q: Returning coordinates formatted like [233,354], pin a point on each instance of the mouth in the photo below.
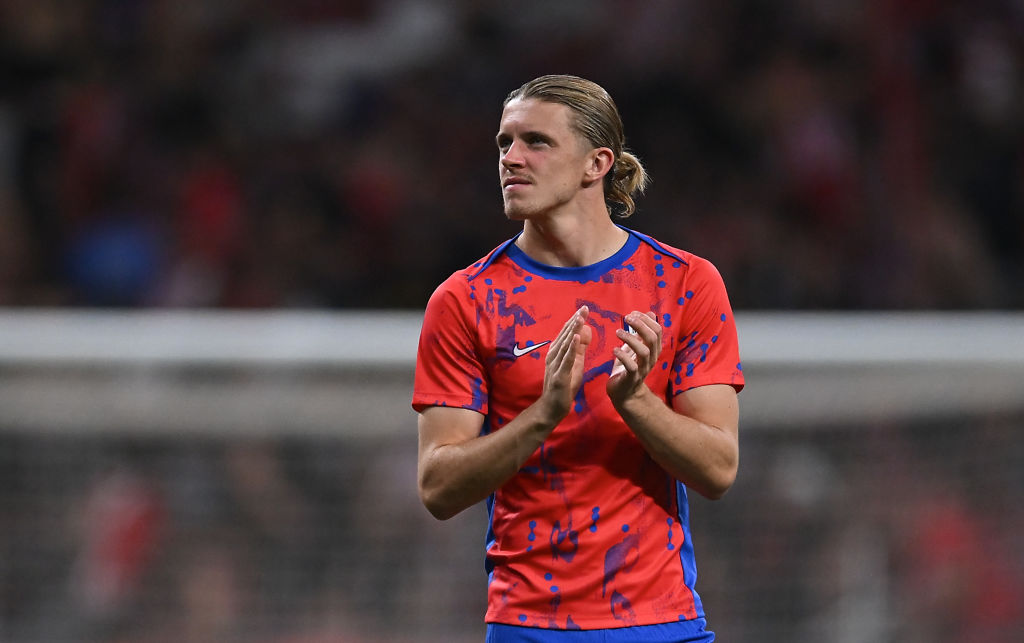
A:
[513,181]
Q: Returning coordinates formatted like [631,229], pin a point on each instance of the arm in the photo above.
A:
[696,440]
[458,467]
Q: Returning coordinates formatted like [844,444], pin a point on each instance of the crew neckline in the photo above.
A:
[592,272]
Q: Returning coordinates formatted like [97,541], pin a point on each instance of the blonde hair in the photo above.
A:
[597,119]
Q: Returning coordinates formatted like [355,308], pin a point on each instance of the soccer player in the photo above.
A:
[581,378]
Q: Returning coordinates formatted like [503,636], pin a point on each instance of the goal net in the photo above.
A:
[221,476]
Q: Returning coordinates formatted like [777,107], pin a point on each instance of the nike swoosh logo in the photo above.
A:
[519,352]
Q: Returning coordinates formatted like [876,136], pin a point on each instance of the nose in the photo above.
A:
[511,157]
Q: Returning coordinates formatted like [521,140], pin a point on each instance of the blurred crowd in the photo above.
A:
[824,154]
[150,539]
[890,531]
[262,153]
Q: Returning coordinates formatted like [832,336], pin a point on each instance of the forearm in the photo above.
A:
[459,468]
[703,456]
[455,476]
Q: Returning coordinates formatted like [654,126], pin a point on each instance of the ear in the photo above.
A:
[599,163]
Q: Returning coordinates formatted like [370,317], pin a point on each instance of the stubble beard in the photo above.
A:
[522,207]
[533,206]
[517,210]
[513,213]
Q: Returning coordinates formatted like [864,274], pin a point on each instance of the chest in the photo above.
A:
[516,325]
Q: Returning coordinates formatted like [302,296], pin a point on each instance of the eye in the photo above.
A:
[503,142]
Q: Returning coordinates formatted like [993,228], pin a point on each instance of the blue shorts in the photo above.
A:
[676,632]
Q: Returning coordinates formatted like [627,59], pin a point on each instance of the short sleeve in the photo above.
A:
[707,348]
[449,371]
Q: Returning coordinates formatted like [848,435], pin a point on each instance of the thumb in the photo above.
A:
[586,334]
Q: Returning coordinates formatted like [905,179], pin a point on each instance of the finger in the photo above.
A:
[568,358]
[567,328]
[641,322]
[559,348]
[626,358]
[586,333]
[648,329]
[573,323]
[638,343]
[558,345]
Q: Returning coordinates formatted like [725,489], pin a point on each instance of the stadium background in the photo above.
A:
[325,158]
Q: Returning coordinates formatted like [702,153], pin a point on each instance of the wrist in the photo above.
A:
[634,401]
[544,415]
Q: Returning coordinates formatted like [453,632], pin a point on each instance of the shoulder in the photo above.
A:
[460,286]
[696,266]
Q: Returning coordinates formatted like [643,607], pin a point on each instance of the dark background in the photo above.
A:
[267,154]
[339,155]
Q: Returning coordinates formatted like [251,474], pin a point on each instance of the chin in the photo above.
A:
[516,213]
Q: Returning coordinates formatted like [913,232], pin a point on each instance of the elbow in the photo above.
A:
[715,491]
[436,506]
[719,482]
[436,501]
[723,474]
[437,491]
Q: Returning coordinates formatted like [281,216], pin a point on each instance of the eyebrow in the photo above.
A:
[532,134]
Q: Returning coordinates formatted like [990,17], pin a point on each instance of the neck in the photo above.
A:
[571,243]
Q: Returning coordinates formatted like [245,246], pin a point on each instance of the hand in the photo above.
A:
[563,366]
[636,358]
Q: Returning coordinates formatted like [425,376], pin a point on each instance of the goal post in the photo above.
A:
[307,372]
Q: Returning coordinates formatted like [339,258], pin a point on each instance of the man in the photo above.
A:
[579,378]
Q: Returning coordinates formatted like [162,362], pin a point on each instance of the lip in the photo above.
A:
[513,181]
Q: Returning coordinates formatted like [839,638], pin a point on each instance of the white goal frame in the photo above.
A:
[350,372]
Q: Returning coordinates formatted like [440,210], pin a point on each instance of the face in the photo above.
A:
[542,159]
